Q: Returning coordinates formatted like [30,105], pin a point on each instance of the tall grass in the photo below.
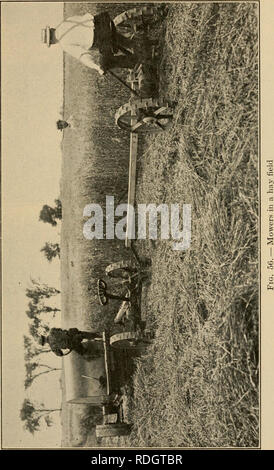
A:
[198,383]
[95,164]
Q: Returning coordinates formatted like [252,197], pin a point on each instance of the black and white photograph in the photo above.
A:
[131,225]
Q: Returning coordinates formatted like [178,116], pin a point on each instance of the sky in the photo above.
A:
[32,94]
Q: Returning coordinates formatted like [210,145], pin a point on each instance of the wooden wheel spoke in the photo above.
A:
[142,16]
[121,269]
[129,340]
[159,110]
[147,112]
[136,126]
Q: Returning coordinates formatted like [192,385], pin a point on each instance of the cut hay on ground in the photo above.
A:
[198,384]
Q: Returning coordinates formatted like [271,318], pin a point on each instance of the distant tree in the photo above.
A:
[31,367]
[32,310]
[31,349]
[50,214]
[47,309]
[51,250]
[32,414]
[37,309]
[39,291]
[38,327]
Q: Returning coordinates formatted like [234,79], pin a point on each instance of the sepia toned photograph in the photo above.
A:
[131,225]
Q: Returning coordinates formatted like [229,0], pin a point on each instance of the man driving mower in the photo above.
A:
[59,340]
[93,40]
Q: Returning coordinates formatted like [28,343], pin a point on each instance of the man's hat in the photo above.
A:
[42,340]
[45,36]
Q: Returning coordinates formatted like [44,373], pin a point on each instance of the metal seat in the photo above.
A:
[104,295]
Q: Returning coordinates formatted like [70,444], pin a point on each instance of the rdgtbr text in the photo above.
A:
[139,459]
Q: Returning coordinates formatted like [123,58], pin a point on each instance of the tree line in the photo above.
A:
[38,295]
[51,215]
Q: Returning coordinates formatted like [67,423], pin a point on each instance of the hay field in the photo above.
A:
[94,164]
[198,383]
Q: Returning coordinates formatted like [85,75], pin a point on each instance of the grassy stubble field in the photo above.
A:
[197,385]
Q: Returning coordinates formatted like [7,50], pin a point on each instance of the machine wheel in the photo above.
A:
[136,341]
[121,269]
[136,19]
[102,292]
[152,116]
[112,430]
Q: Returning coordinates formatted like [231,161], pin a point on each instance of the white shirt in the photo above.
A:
[76,35]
